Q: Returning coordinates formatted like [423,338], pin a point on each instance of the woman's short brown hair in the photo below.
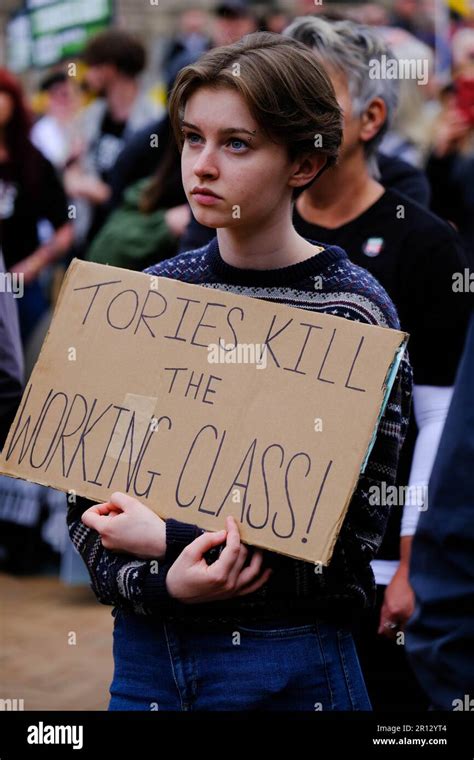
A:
[286,90]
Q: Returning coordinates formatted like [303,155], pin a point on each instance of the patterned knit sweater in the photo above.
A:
[296,589]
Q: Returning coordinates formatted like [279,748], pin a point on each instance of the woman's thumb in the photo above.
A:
[122,500]
[205,542]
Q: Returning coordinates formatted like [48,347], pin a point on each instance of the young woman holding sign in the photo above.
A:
[251,630]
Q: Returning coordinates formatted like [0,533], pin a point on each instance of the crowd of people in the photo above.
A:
[100,175]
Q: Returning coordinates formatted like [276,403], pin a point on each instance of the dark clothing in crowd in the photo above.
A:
[23,204]
[390,681]
[440,635]
[11,360]
[405,178]
[108,144]
[104,151]
[452,180]
[138,159]
[181,56]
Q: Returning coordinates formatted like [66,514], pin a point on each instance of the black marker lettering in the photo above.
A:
[175,370]
[201,324]
[325,380]
[186,306]
[143,317]
[352,387]
[138,464]
[194,385]
[122,292]
[64,398]
[265,484]
[99,285]
[287,491]
[209,389]
[68,434]
[318,496]
[268,338]
[245,484]
[295,368]
[234,308]
[178,500]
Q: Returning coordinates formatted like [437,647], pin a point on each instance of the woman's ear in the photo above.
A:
[306,168]
[373,119]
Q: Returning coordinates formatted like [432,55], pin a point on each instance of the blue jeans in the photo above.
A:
[260,666]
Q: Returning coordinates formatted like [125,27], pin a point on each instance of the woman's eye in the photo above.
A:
[192,137]
[237,144]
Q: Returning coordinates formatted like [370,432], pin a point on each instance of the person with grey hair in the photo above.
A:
[349,50]
[414,255]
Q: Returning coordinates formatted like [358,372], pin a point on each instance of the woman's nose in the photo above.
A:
[206,165]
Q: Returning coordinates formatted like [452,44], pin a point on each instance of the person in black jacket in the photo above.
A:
[440,635]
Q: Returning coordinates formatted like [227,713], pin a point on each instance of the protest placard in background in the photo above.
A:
[203,403]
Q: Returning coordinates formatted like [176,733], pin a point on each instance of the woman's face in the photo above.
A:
[227,153]
[6,108]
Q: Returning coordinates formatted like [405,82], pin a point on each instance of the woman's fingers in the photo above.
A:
[230,554]
[123,501]
[197,548]
[234,573]
[92,517]
[106,508]
[249,589]
[250,573]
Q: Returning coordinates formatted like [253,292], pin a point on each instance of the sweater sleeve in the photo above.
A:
[122,579]
[366,519]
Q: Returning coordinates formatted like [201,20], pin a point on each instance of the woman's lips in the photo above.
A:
[205,199]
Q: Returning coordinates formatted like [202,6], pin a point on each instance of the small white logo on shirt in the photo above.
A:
[8,193]
[108,148]
[41,734]
[372,246]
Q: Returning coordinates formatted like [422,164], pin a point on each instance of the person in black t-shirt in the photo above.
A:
[414,255]
[30,192]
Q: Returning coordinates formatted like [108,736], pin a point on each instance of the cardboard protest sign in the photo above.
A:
[203,403]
